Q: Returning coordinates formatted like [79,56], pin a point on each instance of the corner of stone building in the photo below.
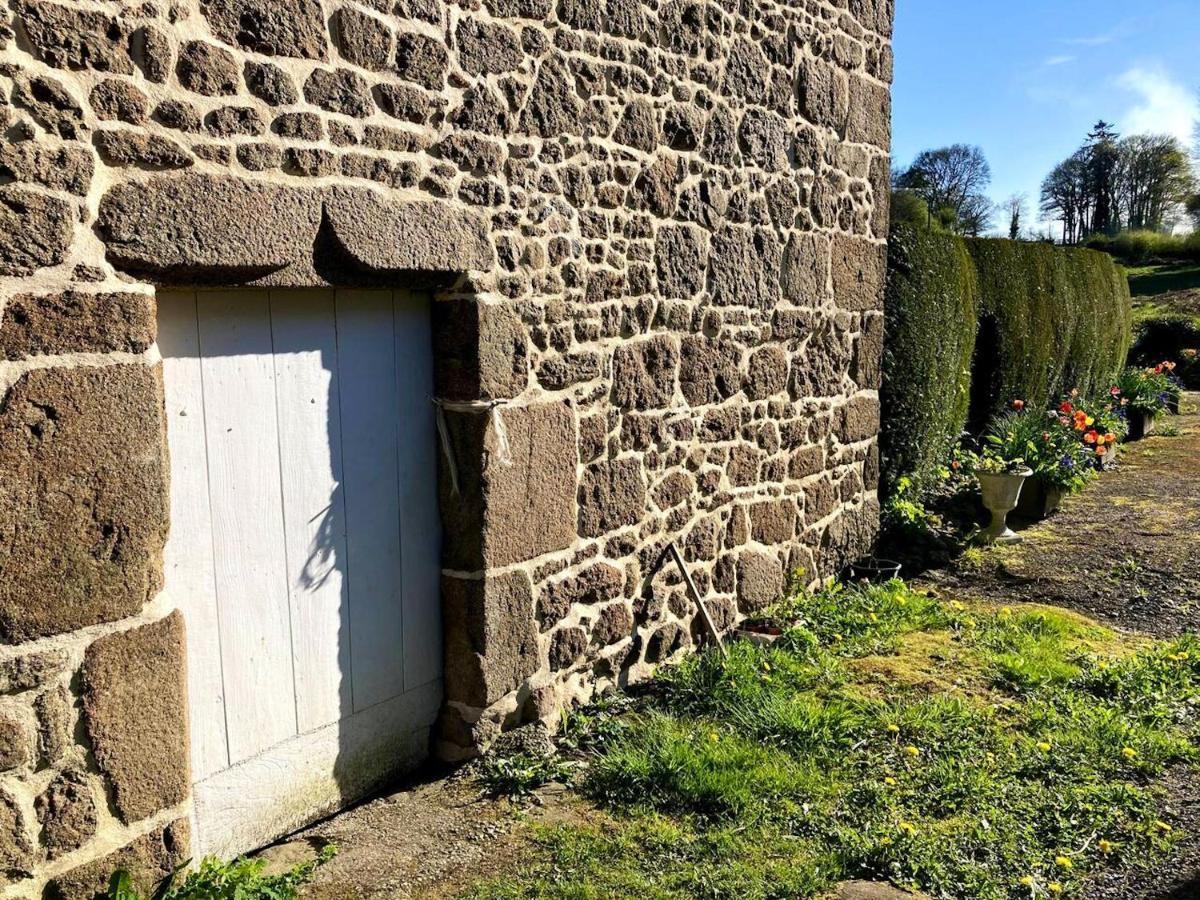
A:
[673,298]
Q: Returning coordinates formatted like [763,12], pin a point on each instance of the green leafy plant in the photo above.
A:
[903,508]
[521,774]
[241,879]
[1047,442]
[1147,390]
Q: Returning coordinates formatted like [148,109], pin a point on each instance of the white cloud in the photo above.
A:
[1097,40]
[1058,61]
[1163,105]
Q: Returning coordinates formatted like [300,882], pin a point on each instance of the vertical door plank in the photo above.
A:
[367,389]
[251,573]
[188,555]
[310,454]
[420,525]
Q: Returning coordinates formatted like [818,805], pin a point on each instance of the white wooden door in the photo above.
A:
[304,548]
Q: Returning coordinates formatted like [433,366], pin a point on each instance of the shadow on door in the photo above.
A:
[304,548]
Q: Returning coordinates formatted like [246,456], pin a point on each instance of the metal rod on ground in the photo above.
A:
[691,586]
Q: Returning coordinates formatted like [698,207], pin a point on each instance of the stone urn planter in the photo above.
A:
[1141,424]
[1001,491]
[1109,459]
[1039,500]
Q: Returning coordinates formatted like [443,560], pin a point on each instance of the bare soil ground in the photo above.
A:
[429,839]
[1126,551]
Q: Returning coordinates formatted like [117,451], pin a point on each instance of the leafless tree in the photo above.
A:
[952,178]
[1016,209]
[1154,179]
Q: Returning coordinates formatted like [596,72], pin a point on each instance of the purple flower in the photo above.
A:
[1067,462]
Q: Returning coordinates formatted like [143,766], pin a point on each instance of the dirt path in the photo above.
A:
[432,838]
[1126,551]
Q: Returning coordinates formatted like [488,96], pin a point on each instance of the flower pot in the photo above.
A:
[1141,424]
[1039,500]
[763,632]
[1109,459]
[875,570]
[1001,491]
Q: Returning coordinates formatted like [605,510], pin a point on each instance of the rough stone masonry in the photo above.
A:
[656,232]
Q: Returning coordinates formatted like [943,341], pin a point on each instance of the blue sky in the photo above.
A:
[1026,79]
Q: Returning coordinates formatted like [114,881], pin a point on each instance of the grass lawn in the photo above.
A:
[963,750]
[1148,281]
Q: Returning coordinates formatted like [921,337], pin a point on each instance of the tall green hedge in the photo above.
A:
[930,315]
[1061,317]
[974,324]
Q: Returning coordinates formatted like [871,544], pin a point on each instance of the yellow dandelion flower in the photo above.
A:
[956,604]
[1105,845]
[885,842]
[1128,752]
[714,737]
[1064,862]
[889,781]
[1025,881]
[1006,611]
[1054,887]
[908,828]
[912,751]
[893,729]
[1044,746]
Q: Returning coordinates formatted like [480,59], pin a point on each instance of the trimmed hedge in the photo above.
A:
[973,324]
[1062,317]
[1159,338]
[930,315]
[1137,247]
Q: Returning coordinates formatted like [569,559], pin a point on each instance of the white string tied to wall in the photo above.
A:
[492,407]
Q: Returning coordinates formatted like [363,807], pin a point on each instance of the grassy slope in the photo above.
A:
[1149,281]
[963,750]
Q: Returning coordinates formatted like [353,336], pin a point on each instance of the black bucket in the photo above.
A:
[875,570]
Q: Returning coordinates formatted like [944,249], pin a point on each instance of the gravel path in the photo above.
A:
[1126,551]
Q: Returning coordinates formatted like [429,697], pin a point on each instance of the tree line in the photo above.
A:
[1110,184]
[1144,182]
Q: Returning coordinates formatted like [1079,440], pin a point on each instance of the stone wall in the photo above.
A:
[657,232]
